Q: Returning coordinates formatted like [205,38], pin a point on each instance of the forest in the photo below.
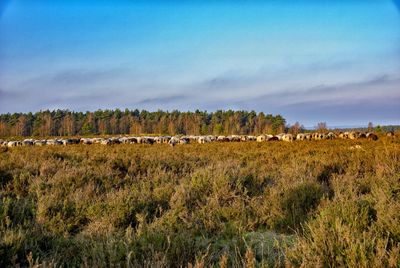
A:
[112,122]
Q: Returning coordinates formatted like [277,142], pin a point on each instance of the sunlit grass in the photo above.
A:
[322,203]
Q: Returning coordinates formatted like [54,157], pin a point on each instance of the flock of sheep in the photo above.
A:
[175,140]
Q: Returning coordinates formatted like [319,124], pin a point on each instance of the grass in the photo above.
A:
[301,204]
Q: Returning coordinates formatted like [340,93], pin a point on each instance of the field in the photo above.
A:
[311,204]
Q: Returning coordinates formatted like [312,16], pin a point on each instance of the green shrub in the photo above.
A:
[308,204]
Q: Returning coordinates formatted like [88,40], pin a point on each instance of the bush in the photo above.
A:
[229,204]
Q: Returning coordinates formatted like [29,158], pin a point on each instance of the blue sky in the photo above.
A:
[309,60]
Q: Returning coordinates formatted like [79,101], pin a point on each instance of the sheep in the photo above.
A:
[300,137]
[71,141]
[287,137]
[272,138]
[27,142]
[13,143]
[106,142]
[96,140]
[196,139]
[251,138]
[222,139]
[184,140]
[125,140]
[202,140]
[390,134]
[362,135]
[319,136]
[149,140]
[86,141]
[173,141]
[352,135]
[234,138]
[212,138]
[40,142]
[158,140]
[330,136]
[261,138]
[166,139]
[53,142]
[372,136]
[280,136]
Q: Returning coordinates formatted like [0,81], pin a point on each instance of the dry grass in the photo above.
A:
[308,204]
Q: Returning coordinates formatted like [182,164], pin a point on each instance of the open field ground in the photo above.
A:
[322,203]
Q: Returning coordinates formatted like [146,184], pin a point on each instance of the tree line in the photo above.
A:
[113,122]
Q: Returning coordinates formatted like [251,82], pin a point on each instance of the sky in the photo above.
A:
[308,60]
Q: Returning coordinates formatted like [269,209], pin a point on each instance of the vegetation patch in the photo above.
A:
[305,204]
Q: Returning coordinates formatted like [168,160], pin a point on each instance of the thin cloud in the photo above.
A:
[98,97]
[7,95]
[379,109]
[362,89]
[2,94]
[271,75]
[374,99]
[163,100]
[80,76]
[74,77]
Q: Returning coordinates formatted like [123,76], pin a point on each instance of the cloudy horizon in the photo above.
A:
[307,60]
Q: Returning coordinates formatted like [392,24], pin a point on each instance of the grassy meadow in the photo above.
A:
[272,204]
